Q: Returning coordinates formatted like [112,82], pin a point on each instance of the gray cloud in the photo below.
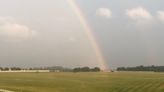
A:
[139,14]
[9,28]
[104,12]
[160,15]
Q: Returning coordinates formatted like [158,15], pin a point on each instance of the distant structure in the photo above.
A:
[29,71]
[3,90]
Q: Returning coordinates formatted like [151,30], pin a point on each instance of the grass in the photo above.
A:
[83,82]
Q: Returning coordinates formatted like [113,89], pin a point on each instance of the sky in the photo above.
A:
[48,33]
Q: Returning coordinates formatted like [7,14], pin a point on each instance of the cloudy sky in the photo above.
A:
[48,32]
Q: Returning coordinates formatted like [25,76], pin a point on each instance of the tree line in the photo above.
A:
[11,68]
[142,68]
[86,69]
[54,69]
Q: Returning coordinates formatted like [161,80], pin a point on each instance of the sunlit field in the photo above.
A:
[83,82]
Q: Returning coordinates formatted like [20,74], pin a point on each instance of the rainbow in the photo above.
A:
[100,59]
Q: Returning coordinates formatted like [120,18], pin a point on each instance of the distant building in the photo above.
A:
[30,71]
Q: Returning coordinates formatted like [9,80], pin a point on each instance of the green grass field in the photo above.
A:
[83,82]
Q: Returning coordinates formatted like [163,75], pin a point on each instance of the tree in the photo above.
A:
[96,69]
[1,68]
[77,69]
[85,69]
[15,68]
[6,69]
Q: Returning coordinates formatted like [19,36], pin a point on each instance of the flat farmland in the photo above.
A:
[83,82]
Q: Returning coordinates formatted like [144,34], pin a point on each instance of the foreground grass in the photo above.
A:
[83,82]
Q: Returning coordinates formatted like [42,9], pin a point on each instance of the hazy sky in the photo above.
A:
[48,33]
